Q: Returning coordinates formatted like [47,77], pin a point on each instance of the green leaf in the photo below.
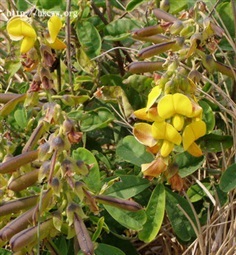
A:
[188,164]
[120,29]
[180,224]
[128,186]
[129,149]
[208,116]
[155,213]
[93,179]
[23,5]
[130,220]
[5,252]
[98,118]
[216,143]
[225,11]
[105,249]
[196,193]
[89,38]
[133,4]
[228,179]
[20,116]
[177,6]
[12,67]
[45,4]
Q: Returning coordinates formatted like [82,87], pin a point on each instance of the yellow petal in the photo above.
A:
[169,105]
[178,122]
[153,115]
[27,44]
[18,28]
[142,114]
[152,96]
[57,45]
[166,148]
[194,150]
[54,26]
[143,133]
[192,132]
[163,130]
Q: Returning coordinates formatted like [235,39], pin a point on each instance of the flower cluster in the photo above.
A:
[171,120]
[37,51]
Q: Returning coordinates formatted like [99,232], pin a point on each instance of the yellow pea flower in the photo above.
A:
[170,136]
[191,133]
[54,26]
[19,29]
[178,106]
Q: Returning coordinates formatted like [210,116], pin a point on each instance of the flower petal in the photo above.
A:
[27,44]
[166,148]
[178,122]
[155,168]
[163,130]
[152,96]
[192,132]
[194,150]
[142,114]
[57,44]
[54,26]
[169,105]
[18,28]
[143,133]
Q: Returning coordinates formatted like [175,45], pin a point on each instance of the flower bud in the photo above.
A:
[82,167]
[176,27]
[56,186]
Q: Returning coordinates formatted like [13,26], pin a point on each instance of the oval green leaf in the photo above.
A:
[130,220]
[128,186]
[129,149]
[228,179]
[155,213]
[99,118]
[105,249]
[180,224]
[208,116]
[89,38]
[93,178]
[188,164]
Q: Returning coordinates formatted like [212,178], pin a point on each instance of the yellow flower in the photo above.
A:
[191,133]
[148,115]
[143,133]
[177,106]
[54,26]
[170,136]
[19,29]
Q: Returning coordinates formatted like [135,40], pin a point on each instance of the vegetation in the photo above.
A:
[117,130]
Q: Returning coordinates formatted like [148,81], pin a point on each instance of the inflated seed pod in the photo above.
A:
[128,205]
[30,235]
[6,97]
[153,38]
[147,31]
[34,138]
[142,67]
[161,14]
[17,205]
[24,180]
[16,225]
[83,237]
[156,49]
[13,163]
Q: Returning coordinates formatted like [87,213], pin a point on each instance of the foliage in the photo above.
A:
[116,121]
